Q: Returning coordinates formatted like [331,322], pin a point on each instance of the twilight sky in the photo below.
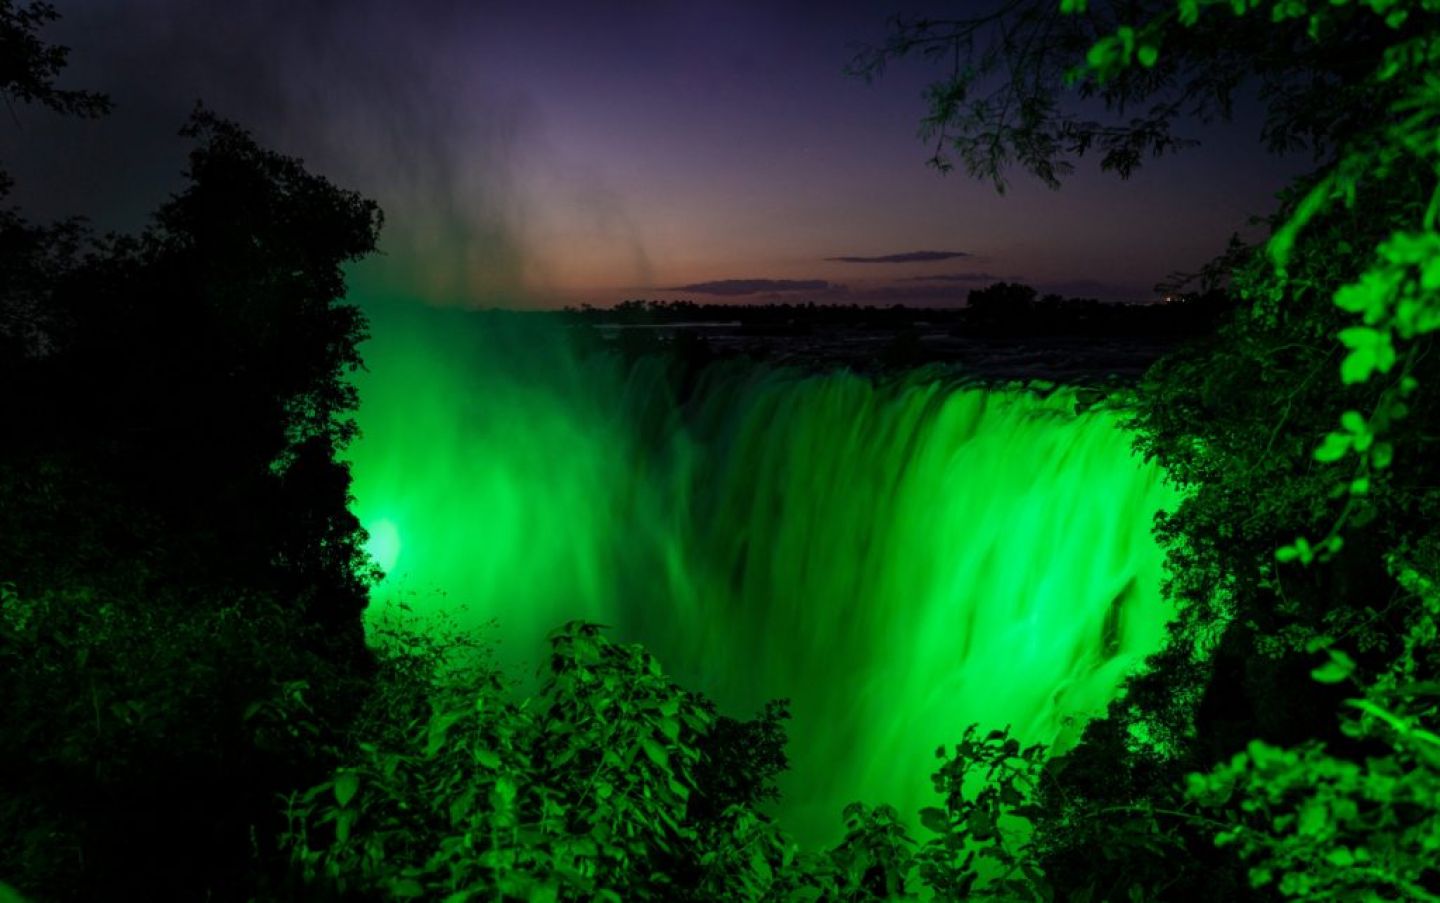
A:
[544,153]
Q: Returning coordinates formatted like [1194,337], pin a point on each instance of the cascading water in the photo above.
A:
[899,559]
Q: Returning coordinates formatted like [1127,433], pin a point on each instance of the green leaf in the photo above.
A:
[1148,55]
[1313,819]
[1357,366]
[439,726]
[1333,448]
[1430,274]
[343,821]
[1126,34]
[1189,12]
[1372,351]
[1381,455]
[1337,669]
[345,786]
[407,888]
[678,789]
[488,757]
[1359,337]
[1283,241]
[1101,53]
[566,754]
[760,866]
[1354,422]
[655,752]
[935,820]
[1300,550]
[1357,297]
[503,794]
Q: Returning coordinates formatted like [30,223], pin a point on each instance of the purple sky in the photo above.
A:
[537,154]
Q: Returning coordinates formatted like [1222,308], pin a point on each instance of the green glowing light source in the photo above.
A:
[384,544]
[899,560]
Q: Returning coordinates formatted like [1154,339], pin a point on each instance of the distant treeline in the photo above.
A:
[1002,308]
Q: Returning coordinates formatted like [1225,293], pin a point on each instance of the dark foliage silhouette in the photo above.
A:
[183,582]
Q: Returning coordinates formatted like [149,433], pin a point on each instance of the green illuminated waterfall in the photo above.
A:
[899,559]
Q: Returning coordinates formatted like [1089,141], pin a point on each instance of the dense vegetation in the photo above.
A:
[192,712]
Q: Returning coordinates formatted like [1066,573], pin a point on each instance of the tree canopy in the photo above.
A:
[1015,81]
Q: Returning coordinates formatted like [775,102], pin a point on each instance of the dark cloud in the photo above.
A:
[755,286]
[906,257]
[957,277]
[937,295]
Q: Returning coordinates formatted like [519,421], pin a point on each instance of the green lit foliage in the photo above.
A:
[1372,196]
[581,791]
[873,861]
[613,783]
[985,822]
[143,736]
[1322,825]
[981,845]
[1352,273]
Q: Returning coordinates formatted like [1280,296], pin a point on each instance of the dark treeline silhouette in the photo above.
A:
[1001,309]
[181,581]
[1006,308]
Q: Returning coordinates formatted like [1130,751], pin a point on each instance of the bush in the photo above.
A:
[145,740]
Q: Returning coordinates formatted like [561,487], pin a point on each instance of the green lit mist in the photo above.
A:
[899,559]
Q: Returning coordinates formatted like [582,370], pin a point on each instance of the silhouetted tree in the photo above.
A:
[32,257]
[30,65]
[181,581]
[1000,304]
[1007,70]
